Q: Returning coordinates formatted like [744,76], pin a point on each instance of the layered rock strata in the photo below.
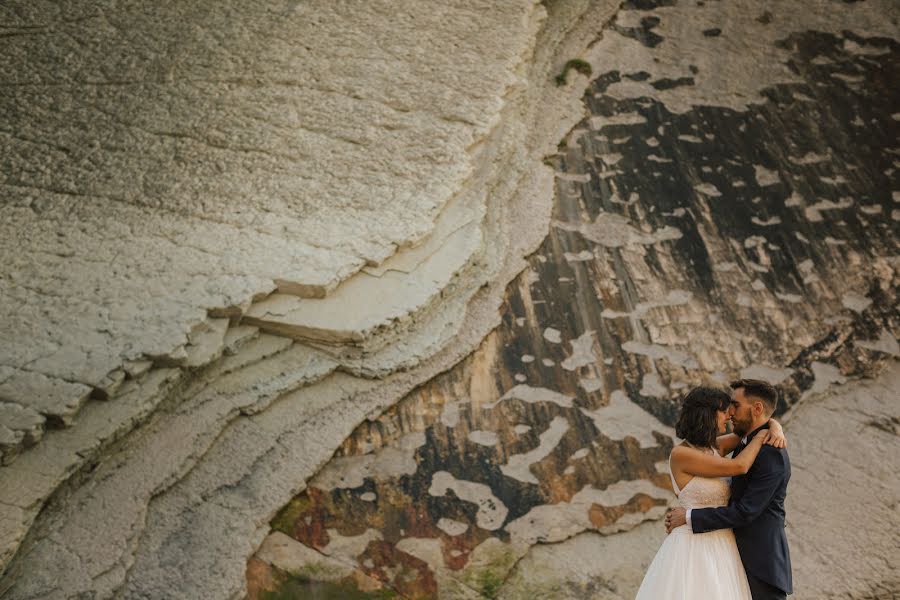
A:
[368,199]
[252,352]
[150,186]
[695,239]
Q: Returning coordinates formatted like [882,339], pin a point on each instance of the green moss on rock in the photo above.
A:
[284,520]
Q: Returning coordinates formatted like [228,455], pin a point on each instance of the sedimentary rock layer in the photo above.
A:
[270,276]
[221,377]
[693,241]
[190,160]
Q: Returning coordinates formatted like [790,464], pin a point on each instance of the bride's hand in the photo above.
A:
[776,435]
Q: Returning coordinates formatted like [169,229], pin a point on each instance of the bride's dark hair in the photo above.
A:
[697,419]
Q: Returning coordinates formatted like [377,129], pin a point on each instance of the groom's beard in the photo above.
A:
[740,429]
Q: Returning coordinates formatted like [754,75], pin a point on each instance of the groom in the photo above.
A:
[756,508]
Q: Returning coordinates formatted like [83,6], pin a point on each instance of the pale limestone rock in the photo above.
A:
[206,343]
[586,565]
[257,349]
[885,343]
[653,387]
[20,427]
[658,351]
[450,414]
[813,212]
[552,335]
[208,521]
[582,352]
[773,375]
[54,398]
[351,471]
[157,459]
[708,189]
[825,375]
[34,477]
[483,438]
[765,177]
[136,368]
[527,393]
[491,511]
[109,385]
[13,526]
[451,527]
[290,555]
[614,231]
[591,385]
[237,336]
[426,549]
[829,476]
[349,545]
[855,301]
[253,202]
[518,465]
[672,298]
[367,305]
[622,418]
[557,522]
[752,50]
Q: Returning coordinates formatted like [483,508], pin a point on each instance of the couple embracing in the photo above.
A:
[726,539]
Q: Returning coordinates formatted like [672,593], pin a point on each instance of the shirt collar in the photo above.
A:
[746,439]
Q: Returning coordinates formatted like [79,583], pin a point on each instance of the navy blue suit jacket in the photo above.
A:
[756,513]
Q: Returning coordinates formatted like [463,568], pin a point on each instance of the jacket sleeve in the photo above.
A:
[766,476]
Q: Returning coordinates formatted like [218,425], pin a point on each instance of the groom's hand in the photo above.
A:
[675,518]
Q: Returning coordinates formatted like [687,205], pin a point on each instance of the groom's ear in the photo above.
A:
[758,408]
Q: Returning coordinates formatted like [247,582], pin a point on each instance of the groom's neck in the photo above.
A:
[756,424]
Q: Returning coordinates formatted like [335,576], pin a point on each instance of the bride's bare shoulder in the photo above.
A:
[684,451]
[683,448]
[679,451]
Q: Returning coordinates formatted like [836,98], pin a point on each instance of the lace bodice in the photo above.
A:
[702,492]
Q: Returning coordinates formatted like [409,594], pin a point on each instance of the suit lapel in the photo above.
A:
[737,482]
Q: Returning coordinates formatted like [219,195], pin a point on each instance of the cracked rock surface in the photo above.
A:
[165,161]
[695,239]
[187,363]
[332,298]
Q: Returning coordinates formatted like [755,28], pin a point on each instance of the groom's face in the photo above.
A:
[742,413]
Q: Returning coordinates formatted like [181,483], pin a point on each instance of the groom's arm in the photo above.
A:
[766,476]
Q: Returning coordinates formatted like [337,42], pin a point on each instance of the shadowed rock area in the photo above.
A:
[332,300]
[686,247]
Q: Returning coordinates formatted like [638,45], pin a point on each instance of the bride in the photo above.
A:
[707,565]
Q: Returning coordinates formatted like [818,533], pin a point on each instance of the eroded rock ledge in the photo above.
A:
[258,150]
[251,356]
[703,227]
[695,239]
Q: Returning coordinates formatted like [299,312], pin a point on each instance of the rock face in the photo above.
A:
[690,244]
[311,299]
[184,162]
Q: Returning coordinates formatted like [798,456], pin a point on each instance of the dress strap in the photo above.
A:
[672,477]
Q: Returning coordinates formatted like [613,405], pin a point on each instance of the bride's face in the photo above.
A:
[721,419]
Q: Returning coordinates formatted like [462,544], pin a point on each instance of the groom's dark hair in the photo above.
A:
[759,389]
[697,419]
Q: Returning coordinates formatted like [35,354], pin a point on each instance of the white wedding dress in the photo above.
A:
[697,565]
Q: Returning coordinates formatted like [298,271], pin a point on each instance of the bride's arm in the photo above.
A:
[776,435]
[726,443]
[695,462]
[729,441]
